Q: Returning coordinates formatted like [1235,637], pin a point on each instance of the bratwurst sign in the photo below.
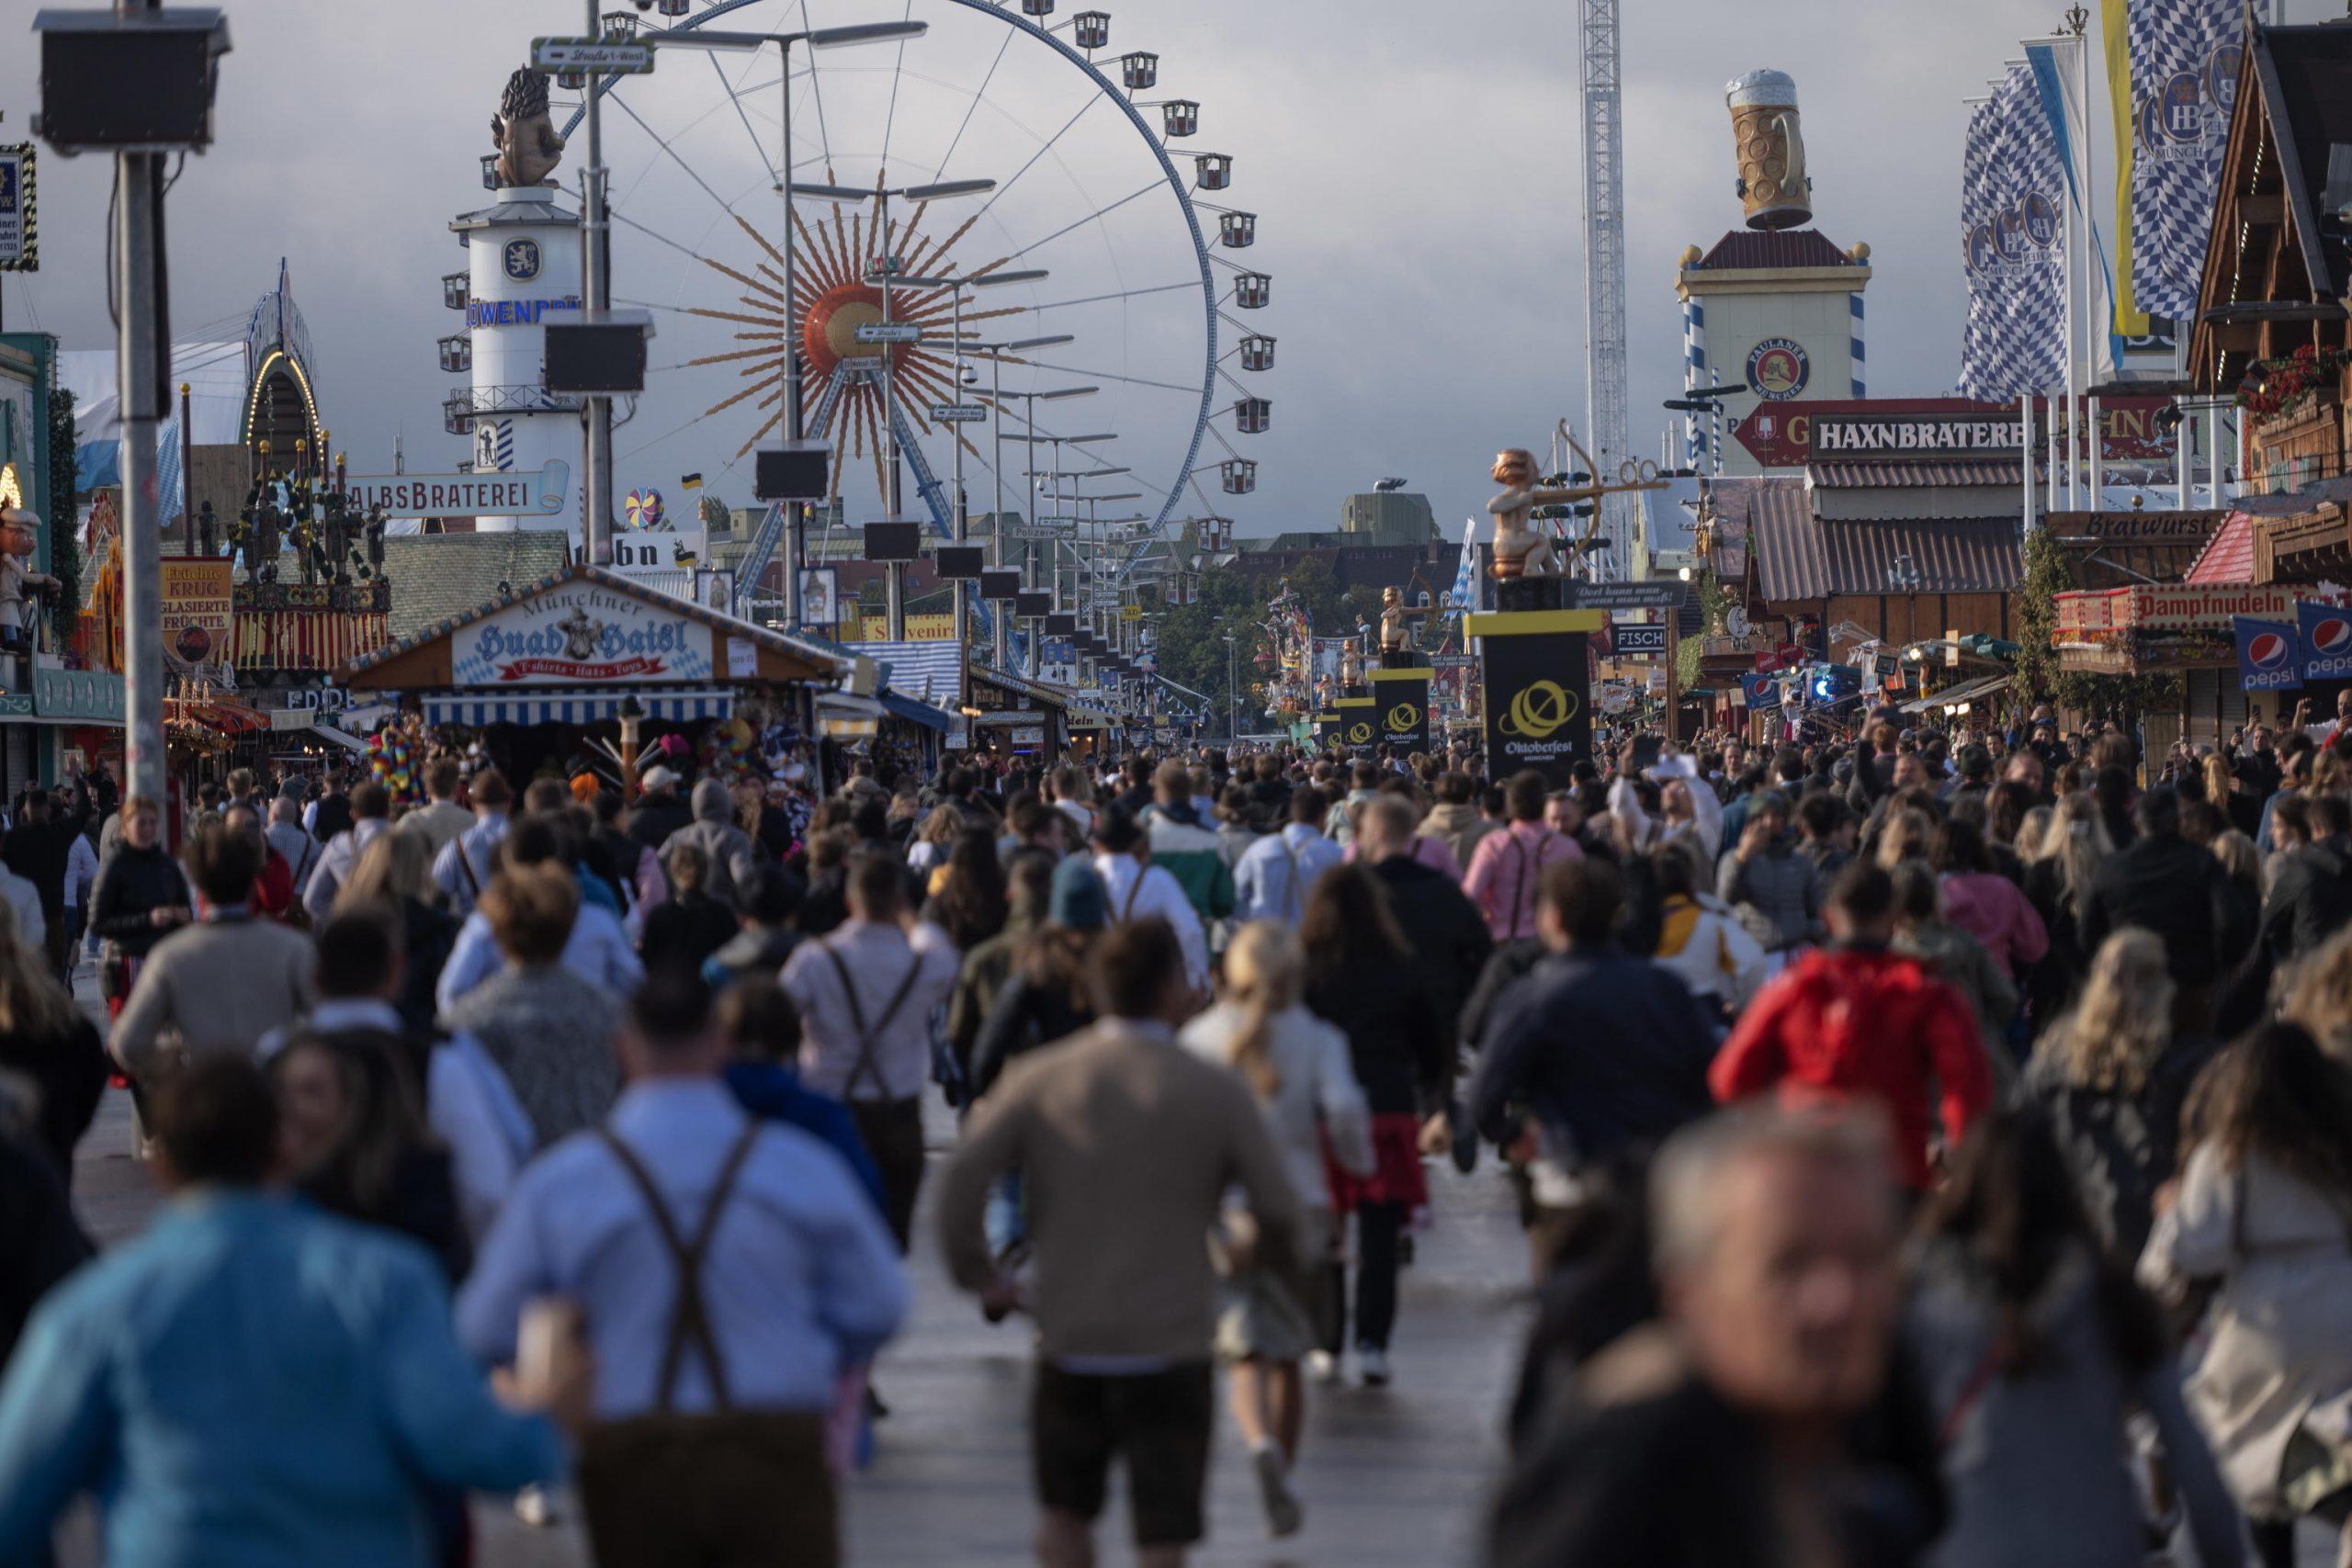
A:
[580,634]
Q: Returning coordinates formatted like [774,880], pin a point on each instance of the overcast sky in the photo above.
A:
[1415,168]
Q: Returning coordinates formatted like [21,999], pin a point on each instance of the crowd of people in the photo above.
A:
[1932,1148]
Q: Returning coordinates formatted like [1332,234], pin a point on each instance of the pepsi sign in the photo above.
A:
[2269,654]
[2327,640]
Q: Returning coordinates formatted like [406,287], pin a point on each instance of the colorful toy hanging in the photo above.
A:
[644,509]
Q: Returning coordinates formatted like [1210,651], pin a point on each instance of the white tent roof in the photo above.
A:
[215,373]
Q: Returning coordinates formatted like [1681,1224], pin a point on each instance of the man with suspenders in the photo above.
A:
[1279,871]
[1137,889]
[866,992]
[465,862]
[1506,866]
[727,1271]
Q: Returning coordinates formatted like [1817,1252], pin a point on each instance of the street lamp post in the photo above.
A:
[994,354]
[956,286]
[1029,419]
[796,547]
[1232,714]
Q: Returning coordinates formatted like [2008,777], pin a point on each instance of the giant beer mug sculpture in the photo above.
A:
[1773,184]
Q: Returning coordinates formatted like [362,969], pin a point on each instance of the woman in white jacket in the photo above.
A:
[1299,1068]
[1700,940]
[2262,1219]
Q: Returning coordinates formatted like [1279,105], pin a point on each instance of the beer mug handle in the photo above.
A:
[1786,124]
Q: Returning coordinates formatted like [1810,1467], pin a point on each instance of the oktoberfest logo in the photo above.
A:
[1778,368]
[522,260]
[1360,733]
[1538,711]
[1402,717]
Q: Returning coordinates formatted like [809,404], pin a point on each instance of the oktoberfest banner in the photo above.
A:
[2013,235]
[1359,724]
[1537,675]
[1401,697]
[2183,58]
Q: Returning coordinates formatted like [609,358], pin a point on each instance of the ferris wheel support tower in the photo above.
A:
[1606,415]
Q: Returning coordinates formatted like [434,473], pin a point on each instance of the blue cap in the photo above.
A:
[1079,900]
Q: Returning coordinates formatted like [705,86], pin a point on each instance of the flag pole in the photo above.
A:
[2078,16]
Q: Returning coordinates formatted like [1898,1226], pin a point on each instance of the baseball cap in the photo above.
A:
[657,777]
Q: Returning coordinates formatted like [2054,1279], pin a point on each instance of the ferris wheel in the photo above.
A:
[986,224]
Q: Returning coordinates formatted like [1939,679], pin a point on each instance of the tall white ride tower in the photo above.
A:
[1606,416]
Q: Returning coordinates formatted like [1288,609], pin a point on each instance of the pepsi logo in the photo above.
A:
[2267,651]
[2332,636]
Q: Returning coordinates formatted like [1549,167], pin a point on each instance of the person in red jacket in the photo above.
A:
[274,889]
[1853,1020]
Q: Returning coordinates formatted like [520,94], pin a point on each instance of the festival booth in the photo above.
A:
[1012,717]
[552,675]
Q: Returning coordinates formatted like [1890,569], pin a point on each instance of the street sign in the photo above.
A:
[591,54]
[1633,642]
[1624,595]
[1042,531]
[889,331]
[958,413]
[1131,611]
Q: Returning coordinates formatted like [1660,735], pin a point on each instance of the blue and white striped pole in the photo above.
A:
[1854,339]
[1694,376]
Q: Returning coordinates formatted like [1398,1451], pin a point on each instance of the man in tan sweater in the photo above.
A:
[222,983]
[1128,1144]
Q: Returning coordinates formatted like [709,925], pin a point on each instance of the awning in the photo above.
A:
[329,732]
[913,712]
[478,708]
[1966,692]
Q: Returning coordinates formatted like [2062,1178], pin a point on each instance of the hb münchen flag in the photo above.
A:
[2184,59]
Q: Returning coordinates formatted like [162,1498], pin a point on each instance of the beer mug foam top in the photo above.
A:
[1770,147]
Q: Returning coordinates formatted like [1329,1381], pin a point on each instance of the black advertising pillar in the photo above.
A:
[1326,730]
[1401,697]
[1359,723]
[1537,678]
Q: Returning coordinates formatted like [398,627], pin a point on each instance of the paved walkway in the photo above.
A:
[1396,1476]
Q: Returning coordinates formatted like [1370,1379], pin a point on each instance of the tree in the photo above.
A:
[65,552]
